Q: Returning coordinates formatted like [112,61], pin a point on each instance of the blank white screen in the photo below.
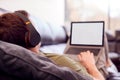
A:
[87,33]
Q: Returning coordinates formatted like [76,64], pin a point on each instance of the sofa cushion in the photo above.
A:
[20,63]
[59,34]
[57,48]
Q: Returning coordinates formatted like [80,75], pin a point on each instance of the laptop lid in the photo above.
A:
[89,33]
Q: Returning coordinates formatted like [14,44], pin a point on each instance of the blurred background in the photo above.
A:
[62,12]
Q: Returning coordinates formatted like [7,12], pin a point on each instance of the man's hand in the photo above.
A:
[87,59]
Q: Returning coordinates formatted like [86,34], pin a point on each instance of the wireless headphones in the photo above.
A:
[32,37]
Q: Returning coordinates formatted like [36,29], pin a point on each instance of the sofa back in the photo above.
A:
[50,33]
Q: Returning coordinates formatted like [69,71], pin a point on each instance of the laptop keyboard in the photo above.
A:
[73,50]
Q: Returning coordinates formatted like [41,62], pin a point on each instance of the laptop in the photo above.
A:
[84,36]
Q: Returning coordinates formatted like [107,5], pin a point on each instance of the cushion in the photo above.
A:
[20,63]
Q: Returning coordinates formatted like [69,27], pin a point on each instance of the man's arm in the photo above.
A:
[88,61]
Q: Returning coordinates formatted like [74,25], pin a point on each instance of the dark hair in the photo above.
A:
[12,29]
[25,13]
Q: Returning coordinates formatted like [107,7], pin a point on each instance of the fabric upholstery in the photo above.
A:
[18,63]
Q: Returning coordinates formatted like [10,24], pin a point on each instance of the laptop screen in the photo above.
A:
[90,33]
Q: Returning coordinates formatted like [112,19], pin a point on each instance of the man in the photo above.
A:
[16,28]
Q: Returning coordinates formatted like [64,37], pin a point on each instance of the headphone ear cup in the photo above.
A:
[32,37]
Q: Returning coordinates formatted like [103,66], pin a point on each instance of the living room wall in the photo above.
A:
[49,10]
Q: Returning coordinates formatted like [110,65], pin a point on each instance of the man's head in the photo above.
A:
[16,28]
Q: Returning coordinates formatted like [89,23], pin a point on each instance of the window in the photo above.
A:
[94,10]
